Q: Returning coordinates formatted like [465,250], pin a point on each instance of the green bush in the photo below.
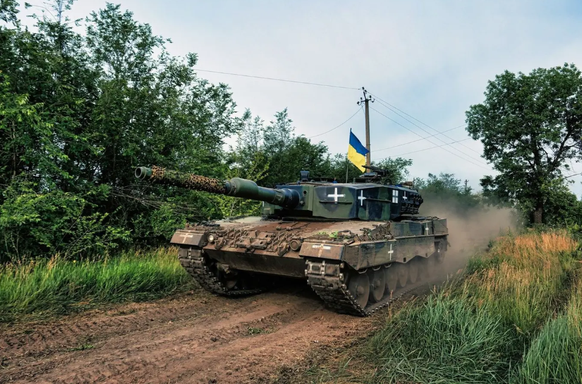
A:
[45,224]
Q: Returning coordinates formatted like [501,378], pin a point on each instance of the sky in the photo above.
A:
[424,62]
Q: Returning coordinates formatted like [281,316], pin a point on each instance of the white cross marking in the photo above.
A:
[362,198]
[426,228]
[391,251]
[335,195]
[186,236]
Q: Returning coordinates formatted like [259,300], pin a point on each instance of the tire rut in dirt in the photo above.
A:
[167,351]
[40,339]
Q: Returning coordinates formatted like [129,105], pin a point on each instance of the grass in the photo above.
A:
[555,355]
[57,286]
[445,340]
[524,279]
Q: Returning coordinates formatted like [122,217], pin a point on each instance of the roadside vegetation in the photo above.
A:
[47,287]
[513,317]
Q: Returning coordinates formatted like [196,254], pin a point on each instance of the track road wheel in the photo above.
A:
[359,287]
[230,282]
[402,271]
[413,267]
[391,278]
[377,285]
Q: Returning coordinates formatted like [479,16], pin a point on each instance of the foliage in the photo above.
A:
[53,222]
[159,223]
[79,112]
[288,154]
[530,127]
[58,286]
[445,190]
[270,155]
[397,171]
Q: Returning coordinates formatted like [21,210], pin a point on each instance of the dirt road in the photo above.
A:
[195,338]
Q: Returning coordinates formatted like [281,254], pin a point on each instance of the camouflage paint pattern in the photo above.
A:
[364,225]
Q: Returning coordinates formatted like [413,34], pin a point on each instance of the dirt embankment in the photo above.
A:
[197,338]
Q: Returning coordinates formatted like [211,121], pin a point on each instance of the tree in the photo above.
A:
[79,112]
[397,171]
[530,126]
[445,190]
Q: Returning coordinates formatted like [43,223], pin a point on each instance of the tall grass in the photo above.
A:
[446,340]
[59,286]
[555,355]
[477,330]
[523,278]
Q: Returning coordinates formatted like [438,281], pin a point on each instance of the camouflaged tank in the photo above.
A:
[357,244]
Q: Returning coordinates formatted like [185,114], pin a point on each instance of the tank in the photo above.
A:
[358,245]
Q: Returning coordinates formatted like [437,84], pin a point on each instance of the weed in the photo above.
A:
[257,331]
[82,347]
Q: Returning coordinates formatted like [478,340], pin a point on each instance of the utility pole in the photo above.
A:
[366,100]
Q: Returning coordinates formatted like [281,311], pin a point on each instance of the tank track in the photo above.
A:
[334,292]
[193,262]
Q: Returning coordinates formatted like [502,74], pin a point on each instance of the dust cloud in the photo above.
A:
[470,230]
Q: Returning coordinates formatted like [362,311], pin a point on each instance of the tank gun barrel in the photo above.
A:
[236,187]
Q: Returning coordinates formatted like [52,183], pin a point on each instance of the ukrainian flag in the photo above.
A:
[357,152]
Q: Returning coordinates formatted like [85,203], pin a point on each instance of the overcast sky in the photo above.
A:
[428,59]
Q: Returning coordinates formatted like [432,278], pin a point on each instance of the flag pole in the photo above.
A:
[347,167]
[347,162]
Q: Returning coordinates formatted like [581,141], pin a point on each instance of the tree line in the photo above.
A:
[78,111]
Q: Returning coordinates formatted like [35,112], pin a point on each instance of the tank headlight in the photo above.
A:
[211,238]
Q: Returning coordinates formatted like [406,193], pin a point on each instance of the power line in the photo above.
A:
[437,146]
[572,175]
[277,79]
[383,102]
[333,129]
[408,129]
[424,130]
[396,110]
[417,140]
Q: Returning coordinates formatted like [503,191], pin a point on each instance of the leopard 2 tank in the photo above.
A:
[356,244]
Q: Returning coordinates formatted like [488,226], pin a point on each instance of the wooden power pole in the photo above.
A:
[366,100]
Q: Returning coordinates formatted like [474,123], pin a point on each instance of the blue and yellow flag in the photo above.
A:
[357,152]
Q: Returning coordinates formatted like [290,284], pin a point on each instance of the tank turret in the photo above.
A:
[364,200]
[236,187]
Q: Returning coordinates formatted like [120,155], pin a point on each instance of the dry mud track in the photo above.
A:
[195,338]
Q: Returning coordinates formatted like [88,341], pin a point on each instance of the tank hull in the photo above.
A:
[231,256]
